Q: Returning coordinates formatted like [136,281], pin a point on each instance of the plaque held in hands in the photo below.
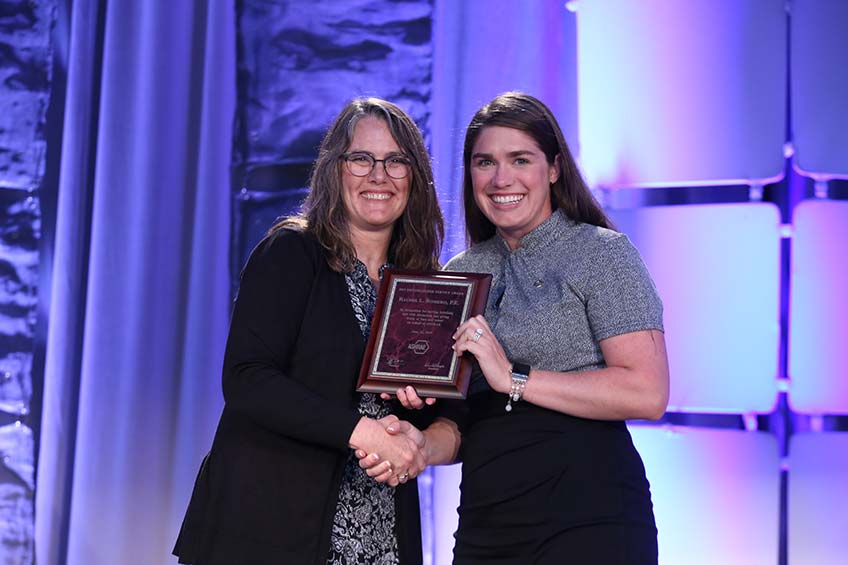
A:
[411,334]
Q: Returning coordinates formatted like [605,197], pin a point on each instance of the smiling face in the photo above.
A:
[374,202]
[511,179]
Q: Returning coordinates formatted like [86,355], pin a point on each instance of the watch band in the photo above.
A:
[520,374]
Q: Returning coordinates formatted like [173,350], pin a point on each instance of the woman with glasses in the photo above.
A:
[571,346]
[281,483]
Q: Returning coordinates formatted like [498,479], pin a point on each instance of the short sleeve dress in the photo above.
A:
[539,486]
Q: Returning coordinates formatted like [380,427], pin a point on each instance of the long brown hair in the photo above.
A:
[417,235]
[523,112]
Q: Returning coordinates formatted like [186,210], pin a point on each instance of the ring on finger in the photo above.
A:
[478,333]
[403,477]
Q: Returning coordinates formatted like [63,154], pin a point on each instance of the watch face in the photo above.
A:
[520,370]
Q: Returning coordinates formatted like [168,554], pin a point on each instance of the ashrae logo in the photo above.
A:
[419,347]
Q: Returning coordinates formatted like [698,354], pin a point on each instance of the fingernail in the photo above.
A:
[391,428]
[375,456]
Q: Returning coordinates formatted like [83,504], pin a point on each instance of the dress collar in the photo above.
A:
[554,227]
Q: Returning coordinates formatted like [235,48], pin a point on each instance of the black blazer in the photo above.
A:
[267,491]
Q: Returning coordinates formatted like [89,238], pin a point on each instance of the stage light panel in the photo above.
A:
[818,311]
[716,494]
[681,93]
[819,86]
[717,269]
[818,488]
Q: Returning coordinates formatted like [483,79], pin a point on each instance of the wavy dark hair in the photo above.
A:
[523,112]
[417,235]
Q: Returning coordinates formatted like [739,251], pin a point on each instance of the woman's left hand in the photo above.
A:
[476,337]
[409,398]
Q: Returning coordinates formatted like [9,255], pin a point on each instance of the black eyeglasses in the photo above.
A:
[360,164]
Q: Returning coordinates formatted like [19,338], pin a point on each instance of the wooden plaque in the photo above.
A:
[411,334]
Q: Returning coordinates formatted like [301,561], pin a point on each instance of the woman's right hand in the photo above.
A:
[440,446]
[394,448]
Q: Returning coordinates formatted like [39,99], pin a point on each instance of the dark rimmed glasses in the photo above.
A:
[360,164]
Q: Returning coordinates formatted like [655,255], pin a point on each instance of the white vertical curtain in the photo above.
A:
[140,296]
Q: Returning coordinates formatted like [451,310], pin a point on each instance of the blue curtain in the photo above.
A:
[140,283]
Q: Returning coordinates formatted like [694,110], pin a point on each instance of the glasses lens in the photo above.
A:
[359,164]
[397,167]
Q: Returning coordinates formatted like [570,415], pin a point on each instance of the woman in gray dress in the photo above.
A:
[571,345]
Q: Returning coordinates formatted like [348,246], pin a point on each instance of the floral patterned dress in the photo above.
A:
[364,523]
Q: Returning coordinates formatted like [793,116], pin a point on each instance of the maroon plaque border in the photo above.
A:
[455,383]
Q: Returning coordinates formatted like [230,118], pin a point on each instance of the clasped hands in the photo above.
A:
[390,450]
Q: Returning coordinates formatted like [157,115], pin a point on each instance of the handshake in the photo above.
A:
[390,450]
[393,451]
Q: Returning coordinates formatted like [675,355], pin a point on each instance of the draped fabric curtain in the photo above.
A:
[140,281]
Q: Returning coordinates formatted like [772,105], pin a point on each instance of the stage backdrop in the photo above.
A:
[688,119]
